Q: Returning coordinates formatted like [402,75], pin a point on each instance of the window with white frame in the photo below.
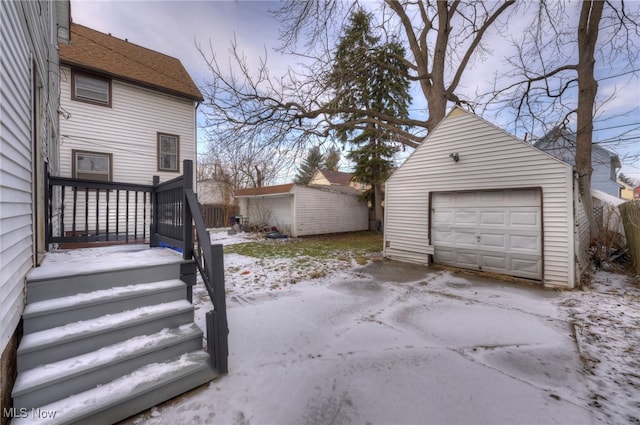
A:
[91,88]
[92,165]
[168,152]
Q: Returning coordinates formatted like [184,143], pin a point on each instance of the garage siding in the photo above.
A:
[490,158]
[320,211]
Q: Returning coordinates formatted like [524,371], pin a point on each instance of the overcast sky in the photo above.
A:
[174,28]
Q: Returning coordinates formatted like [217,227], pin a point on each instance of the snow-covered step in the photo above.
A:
[47,282]
[45,384]
[81,337]
[56,312]
[127,395]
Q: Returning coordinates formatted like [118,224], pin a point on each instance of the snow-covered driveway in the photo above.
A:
[391,343]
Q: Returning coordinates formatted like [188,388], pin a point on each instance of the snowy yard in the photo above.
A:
[331,341]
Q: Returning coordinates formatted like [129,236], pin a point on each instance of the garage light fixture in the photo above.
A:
[455,156]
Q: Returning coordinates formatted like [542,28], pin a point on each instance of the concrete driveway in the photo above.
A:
[393,343]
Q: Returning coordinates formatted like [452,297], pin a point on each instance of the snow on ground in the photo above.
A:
[317,342]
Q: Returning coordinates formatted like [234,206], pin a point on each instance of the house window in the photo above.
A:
[92,165]
[168,152]
[91,89]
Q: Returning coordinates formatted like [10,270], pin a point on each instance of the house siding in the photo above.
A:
[28,54]
[489,159]
[601,174]
[128,130]
[320,211]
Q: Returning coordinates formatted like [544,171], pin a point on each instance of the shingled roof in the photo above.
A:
[95,51]
[267,190]
[337,177]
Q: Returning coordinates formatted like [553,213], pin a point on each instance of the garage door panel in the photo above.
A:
[492,262]
[464,238]
[442,217]
[466,259]
[465,217]
[489,230]
[527,267]
[491,241]
[529,243]
[525,218]
[492,218]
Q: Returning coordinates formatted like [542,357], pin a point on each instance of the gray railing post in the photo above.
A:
[187,215]
[217,326]
[153,231]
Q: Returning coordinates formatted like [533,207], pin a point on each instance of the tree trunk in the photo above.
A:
[587,88]
[377,202]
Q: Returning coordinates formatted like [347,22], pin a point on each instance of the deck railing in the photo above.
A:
[88,212]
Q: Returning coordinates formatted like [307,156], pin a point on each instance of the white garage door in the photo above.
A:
[493,230]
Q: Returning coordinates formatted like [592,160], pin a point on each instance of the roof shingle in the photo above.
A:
[95,51]
[268,190]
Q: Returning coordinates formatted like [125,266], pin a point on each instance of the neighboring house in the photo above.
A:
[562,144]
[473,196]
[335,178]
[29,34]
[304,210]
[128,112]
[626,190]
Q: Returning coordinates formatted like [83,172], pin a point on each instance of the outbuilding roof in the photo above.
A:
[102,53]
[267,190]
[337,177]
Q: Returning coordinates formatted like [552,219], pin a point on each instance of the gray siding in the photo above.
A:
[28,54]
[489,159]
[320,211]
[604,173]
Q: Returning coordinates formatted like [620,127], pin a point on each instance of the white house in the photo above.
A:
[29,35]
[473,196]
[562,144]
[128,112]
[304,210]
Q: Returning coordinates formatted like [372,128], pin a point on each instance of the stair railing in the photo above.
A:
[176,211]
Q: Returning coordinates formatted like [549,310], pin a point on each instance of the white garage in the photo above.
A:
[304,210]
[475,197]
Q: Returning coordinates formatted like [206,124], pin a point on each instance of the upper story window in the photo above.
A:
[90,88]
[92,165]
[168,152]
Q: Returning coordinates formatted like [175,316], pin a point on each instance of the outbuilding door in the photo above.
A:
[490,230]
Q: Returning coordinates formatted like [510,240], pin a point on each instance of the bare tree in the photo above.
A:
[297,108]
[554,85]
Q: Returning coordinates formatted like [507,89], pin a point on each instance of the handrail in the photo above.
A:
[210,263]
[171,210]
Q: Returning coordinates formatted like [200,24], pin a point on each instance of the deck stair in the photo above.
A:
[104,340]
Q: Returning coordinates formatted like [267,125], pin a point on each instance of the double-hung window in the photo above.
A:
[90,88]
[168,152]
[92,165]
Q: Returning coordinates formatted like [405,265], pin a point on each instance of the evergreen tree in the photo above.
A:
[312,163]
[369,78]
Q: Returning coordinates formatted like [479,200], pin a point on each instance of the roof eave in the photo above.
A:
[121,77]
